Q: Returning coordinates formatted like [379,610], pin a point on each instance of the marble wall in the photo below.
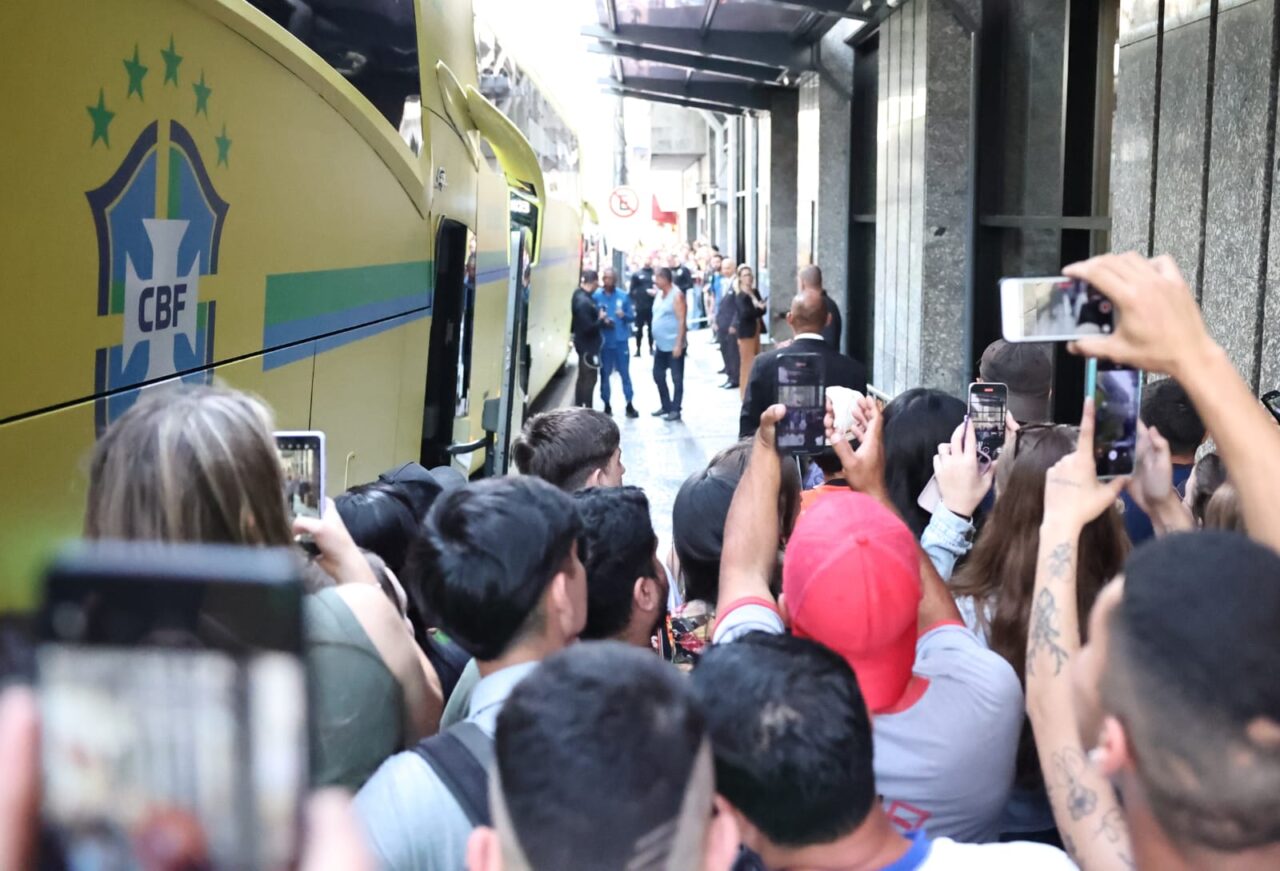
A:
[783,241]
[922,201]
[1193,102]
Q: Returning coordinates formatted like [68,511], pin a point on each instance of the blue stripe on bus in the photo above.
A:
[303,350]
[301,329]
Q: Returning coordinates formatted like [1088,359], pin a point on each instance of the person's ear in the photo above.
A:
[484,853]
[721,848]
[647,595]
[1112,755]
[789,321]
[595,479]
[561,608]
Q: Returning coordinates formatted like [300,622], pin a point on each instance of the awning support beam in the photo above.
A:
[624,91]
[762,49]
[724,93]
[697,63]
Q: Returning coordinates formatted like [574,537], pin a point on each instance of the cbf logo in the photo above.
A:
[158,221]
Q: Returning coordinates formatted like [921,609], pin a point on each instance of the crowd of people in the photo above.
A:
[692,287]
[1046,671]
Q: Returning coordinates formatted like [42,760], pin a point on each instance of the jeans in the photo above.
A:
[615,358]
[662,362]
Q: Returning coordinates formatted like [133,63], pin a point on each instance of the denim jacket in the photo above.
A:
[947,538]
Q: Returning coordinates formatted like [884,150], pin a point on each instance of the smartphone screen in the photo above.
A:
[174,707]
[1272,401]
[1053,309]
[1117,395]
[801,390]
[302,459]
[987,404]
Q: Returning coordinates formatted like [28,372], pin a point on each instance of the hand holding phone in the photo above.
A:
[1271,400]
[962,474]
[800,388]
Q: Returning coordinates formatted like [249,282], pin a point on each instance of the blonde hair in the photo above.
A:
[193,464]
[1224,510]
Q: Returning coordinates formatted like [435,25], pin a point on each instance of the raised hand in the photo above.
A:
[1158,324]
[962,479]
[1073,495]
[339,556]
[863,468]
[1152,484]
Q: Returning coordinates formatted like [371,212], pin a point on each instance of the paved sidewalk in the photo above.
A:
[659,455]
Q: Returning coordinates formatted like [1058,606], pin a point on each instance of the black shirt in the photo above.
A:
[638,289]
[682,278]
[586,322]
[748,317]
[831,332]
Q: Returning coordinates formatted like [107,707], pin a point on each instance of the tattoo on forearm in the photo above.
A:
[1116,833]
[1045,633]
[1068,768]
[1059,560]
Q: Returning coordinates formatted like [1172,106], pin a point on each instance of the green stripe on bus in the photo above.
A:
[295,295]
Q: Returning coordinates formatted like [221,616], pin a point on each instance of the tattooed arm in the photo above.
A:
[1084,804]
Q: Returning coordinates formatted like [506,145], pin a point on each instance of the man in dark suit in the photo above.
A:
[811,280]
[807,317]
[727,324]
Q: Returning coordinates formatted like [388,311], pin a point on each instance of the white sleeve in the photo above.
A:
[745,619]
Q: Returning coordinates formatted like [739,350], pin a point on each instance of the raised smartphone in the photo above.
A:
[1054,309]
[302,459]
[1272,401]
[988,402]
[173,698]
[1117,399]
[801,389]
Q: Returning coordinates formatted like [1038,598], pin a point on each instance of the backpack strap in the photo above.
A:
[461,757]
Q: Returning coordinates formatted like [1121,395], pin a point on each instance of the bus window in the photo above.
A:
[372,43]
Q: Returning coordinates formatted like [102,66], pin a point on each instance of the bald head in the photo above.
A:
[728,268]
[811,278]
[808,312]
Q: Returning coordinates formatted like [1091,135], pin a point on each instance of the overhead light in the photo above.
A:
[867,4]
[893,4]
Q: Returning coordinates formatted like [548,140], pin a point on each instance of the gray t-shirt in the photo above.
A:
[412,821]
[946,763]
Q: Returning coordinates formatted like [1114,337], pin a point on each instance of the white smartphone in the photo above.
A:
[302,459]
[1055,309]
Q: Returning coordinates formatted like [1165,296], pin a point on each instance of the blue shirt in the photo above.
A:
[1136,521]
[412,820]
[620,332]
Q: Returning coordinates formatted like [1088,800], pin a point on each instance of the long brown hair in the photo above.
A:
[1002,567]
[193,464]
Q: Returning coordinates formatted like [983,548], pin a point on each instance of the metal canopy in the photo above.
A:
[723,93]
[724,109]
[684,61]
[714,51]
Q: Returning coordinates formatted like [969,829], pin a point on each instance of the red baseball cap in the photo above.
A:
[851,578]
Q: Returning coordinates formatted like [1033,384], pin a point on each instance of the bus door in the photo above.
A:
[449,355]
[516,357]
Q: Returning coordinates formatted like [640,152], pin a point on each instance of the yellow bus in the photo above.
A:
[235,191]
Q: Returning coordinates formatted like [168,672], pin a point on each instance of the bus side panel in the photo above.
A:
[46,461]
[363,392]
[493,277]
[186,198]
[554,278]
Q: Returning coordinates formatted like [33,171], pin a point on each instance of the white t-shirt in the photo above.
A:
[947,855]
[946,763]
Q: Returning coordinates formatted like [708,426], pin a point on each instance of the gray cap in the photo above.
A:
[1027,370]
